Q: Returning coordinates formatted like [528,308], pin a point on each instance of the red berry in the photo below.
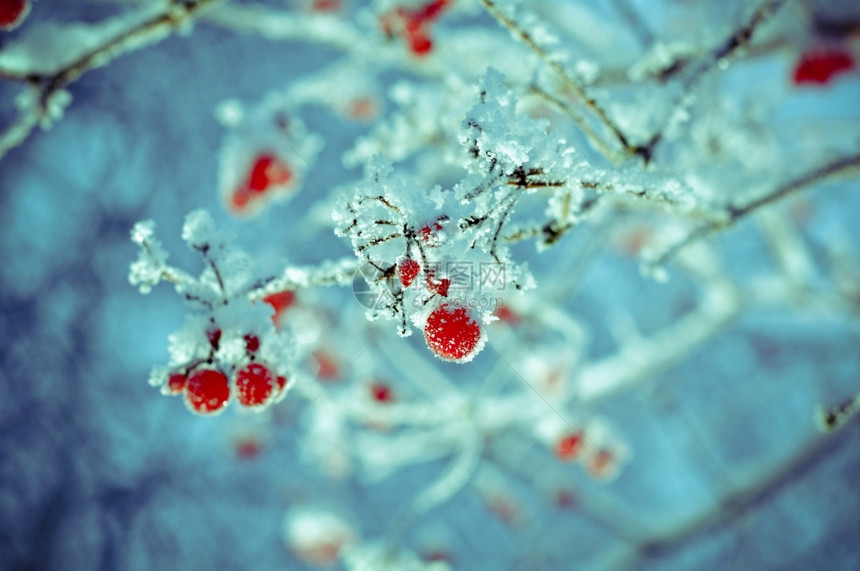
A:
[381,392]
[565,499]
[325,5]
[252,343]
[281,381]
[820,66]
[255,385]
[176,384]
[12,13]
[248,448]
[600,463]
[362,108]
[267,171]
[240,198]
[207,391]
[419,43]
[407,270]
[569,446]
[428,231]
[328,369]
[507,315]
[280,302]
[452,334]
[214,336]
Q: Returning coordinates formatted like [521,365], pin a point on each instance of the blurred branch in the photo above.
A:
[732,214]
[46,86]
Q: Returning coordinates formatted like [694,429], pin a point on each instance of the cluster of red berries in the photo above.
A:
[413,25]
[821,65]
[451,331]
[267,173]
[12,13]
[207,389]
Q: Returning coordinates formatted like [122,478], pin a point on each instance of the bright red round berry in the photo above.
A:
[207,391]
[255,385]
[12,13]
[407,270]
[452,334]
[176,384]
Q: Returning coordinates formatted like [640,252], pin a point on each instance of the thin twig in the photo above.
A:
[734,213]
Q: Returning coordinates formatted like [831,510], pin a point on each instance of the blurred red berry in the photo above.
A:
[326,5]
[12,13]
[328,369]
[266,172]
[451,333]
[569,446]
[207,391]
[381,392]
[507,315]
[248,448]
[821,65]
[176,384]
[280,302]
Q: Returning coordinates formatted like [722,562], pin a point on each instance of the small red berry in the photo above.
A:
[407,270]
[601,463]
[12,13]
[248,448]
[207,391]
[381,392]
[452,334]
[328,369]
[362,108]
[507,315]
[255,385]
[820,66]
[213,334]
[420,44]
[569,446]
[252,343]
[565,499]
[268,171]
[325,5]
[176,384]
[281,381]
[240,198]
